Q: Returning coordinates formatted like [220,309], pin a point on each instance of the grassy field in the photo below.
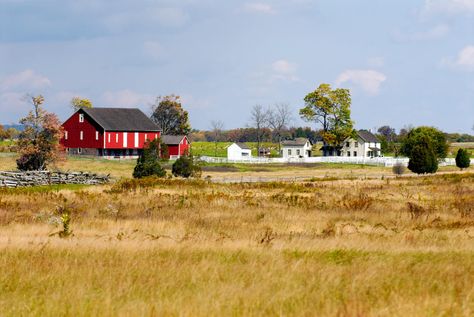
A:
[347,247]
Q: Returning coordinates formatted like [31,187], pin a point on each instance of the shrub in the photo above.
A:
[462,159]
[186,167]
[423,159]
[398,169]
[148,163]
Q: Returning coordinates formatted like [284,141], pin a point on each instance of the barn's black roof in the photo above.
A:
[121,119]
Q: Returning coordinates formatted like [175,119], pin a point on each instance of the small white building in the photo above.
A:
[364,144]
[298,148]
[239,152]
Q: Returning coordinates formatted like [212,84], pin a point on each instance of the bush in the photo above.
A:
[398,169]
[148,164]
[186,167]
[423,159]
[462,159]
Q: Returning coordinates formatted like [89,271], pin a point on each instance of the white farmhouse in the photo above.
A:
[239,152]
[365,144]
[298,148]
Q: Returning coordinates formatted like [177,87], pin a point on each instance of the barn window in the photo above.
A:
[65,135]
[96,135]
[81,117]
[146,136]
[81,135]
[79,150]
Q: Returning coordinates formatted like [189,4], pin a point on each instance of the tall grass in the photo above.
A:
[177,247]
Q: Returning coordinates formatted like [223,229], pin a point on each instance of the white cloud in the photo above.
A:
[125,98]
[464,60]
[284,70]
[259,7]
[449,6]
[368,80]
[25,80]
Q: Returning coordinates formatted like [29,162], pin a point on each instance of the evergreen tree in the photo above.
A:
[423,159]
[185,166]
[148,164]
[462,159]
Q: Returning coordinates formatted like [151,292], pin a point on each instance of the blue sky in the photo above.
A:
[407,62]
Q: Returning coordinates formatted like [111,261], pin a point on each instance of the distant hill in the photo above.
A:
[19,127]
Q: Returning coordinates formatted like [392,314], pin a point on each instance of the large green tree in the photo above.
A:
[434,137]
[38,143]
[332,109]
[170,116]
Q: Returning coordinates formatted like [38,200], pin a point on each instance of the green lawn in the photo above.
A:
[220,150]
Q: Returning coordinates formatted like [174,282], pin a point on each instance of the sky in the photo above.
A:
[406,62]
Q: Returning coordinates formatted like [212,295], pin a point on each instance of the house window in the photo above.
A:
[289,152]
[65,135]
[81,135]
[348,144]
[355,153]
[96,135]
[348,153]
[297,152]
[81,117]
[356,144]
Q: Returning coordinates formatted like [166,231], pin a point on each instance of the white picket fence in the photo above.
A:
[377,161]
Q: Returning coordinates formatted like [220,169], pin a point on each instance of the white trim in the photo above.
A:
[81,135]
[65,135]
[81,118]
[116,137]
[136,139]
[105,145]
[97,135]
[125,139]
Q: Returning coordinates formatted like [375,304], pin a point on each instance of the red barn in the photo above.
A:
[178,145]
[108,132]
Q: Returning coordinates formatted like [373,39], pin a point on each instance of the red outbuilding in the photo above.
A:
[178,145]
[108,132]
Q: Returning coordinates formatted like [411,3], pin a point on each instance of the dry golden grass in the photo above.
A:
[168,247]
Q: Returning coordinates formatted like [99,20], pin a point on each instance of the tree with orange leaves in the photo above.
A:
[38,143]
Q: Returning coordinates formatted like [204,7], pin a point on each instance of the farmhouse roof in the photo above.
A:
[172,139]
[243,146]
[295,142]
[367,136]
[121,119]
